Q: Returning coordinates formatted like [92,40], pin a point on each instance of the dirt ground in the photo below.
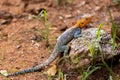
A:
[22,47]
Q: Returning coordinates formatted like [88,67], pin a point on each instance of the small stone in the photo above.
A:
[97,8]
[5,21]
[82,3]
[32,42]
[68,16]
[5,15]
[78,11]
[86,15]
[37,45]
[18,46]
[14,20]
[79,78]
[60,17]
[30,17]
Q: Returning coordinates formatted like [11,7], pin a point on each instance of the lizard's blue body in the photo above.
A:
[61,46]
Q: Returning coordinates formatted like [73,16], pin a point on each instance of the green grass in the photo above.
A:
[114,37]
[89,71]
[70,1]
[98,38]
[116,2]
[99,31]
[60,75]
[50,77]
[94,44]
[92,49]
[46,25]
[113,29]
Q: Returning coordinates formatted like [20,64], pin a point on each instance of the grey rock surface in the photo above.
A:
[90,47]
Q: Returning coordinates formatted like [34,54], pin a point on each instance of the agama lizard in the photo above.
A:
[61,45]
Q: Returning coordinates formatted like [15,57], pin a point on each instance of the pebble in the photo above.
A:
[69,16]
[82,3]
[18,46]
[60,17]
[97,8]
[37,45]
[79,78]
[30,17]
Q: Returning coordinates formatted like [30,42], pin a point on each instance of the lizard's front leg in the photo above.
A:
[77,33]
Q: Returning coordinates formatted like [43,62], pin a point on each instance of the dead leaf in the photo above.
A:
[4,72]
[52,71]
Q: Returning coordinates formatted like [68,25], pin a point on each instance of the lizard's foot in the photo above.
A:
[65,50]
[76,36]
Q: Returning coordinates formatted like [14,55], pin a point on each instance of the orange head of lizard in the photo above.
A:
[83,22]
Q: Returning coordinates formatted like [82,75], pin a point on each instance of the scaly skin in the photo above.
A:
[60,46]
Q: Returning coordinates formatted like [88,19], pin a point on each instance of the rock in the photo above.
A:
[97,8]
[82,4]
[79,78]
[81,48]
[60,17]
[18,46]
[5,17]
[68,16]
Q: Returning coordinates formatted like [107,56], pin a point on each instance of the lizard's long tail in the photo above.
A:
[33,69]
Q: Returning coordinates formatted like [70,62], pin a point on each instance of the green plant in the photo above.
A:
[60,75]
[113,29]
[119,45]
[92,49]
[76,58]
[46,25]
[66,58]
[89,71]
[50,77]
[70,1]
[99,32]
[104,63]
[116,2]
[100,49]
[114,34]
[96,43]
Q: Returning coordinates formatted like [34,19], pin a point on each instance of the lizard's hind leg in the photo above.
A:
[65,49]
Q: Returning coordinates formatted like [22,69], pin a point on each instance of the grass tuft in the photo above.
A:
[89,71]
[46,25]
